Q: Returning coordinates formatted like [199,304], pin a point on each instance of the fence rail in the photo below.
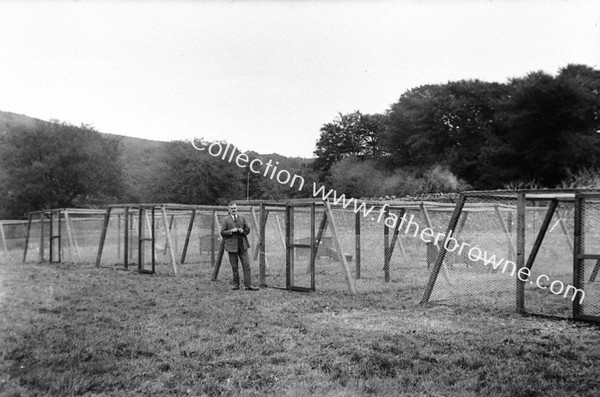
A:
[387,246]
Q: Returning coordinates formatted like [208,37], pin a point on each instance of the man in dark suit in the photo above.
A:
[234,230]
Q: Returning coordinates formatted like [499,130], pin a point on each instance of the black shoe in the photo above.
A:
[235,288]
[251,289]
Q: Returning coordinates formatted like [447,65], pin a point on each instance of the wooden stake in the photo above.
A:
[126,239]
[541,234]
[386,245]
[169,240]
[51,238]
[440,257]
[262,245]
[320,233]
[213,225]
[280,230]
[338,247]
[357,244]
[314,247]
[218,233]
[103,236]
[27,237]
[219,260]
[578,262]
[594,272]
[521,203]
[4,242]
[187,236]
[511,245]
[142,238]
[563,227]
[70,237]
[390,250]
[131,233]
[259,232]
[290,248]
[173,229]
[118,236]
[41,250]
[430,226]
[256,227]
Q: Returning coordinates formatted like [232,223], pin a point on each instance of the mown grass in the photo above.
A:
[80,330]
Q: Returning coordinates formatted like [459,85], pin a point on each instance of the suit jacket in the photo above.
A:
[233,240]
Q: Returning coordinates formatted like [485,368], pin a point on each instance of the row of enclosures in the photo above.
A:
[383,247]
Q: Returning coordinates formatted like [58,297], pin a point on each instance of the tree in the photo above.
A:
[532,129]
[354,134]
[550,125]
[444,125]
[191,176]
[57,165]
[416,136]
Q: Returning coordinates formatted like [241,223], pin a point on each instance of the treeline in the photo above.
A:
[191,176]
[535,131]
[57,165]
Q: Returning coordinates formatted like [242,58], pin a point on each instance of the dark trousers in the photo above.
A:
[233,259]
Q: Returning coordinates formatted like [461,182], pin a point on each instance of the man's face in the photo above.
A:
[233,209]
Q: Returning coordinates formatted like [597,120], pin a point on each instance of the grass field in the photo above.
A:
[80,330]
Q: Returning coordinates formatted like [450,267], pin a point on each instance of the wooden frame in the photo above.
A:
[291,246]
[518,249]
[580,255]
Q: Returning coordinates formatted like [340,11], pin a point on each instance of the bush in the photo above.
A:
[586,178]
[356,178]
[362,178]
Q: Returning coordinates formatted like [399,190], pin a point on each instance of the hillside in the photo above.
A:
[141,159]
[10,121]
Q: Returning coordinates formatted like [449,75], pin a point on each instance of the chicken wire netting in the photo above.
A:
[194,243]
[486,276]
[12,243]
[76,234]
[554,260]
[379,248]
[385,249]
[589,244]
[60,236]
[37,246]
[275,248]
[370,256]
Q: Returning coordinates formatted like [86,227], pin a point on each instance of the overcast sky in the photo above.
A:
[266,76]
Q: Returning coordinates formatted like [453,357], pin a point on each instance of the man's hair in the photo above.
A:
[231,203]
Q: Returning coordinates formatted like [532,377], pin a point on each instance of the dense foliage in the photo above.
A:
[536,129]
[57,165]
[191,176]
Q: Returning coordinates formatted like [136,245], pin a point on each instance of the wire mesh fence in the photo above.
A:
[489,221]
[58,235]
[186,238]
[275,247]
[12,240]
[485,225]
[587,257]
[391,246]
[554,260]
[373,254]
[381,257]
